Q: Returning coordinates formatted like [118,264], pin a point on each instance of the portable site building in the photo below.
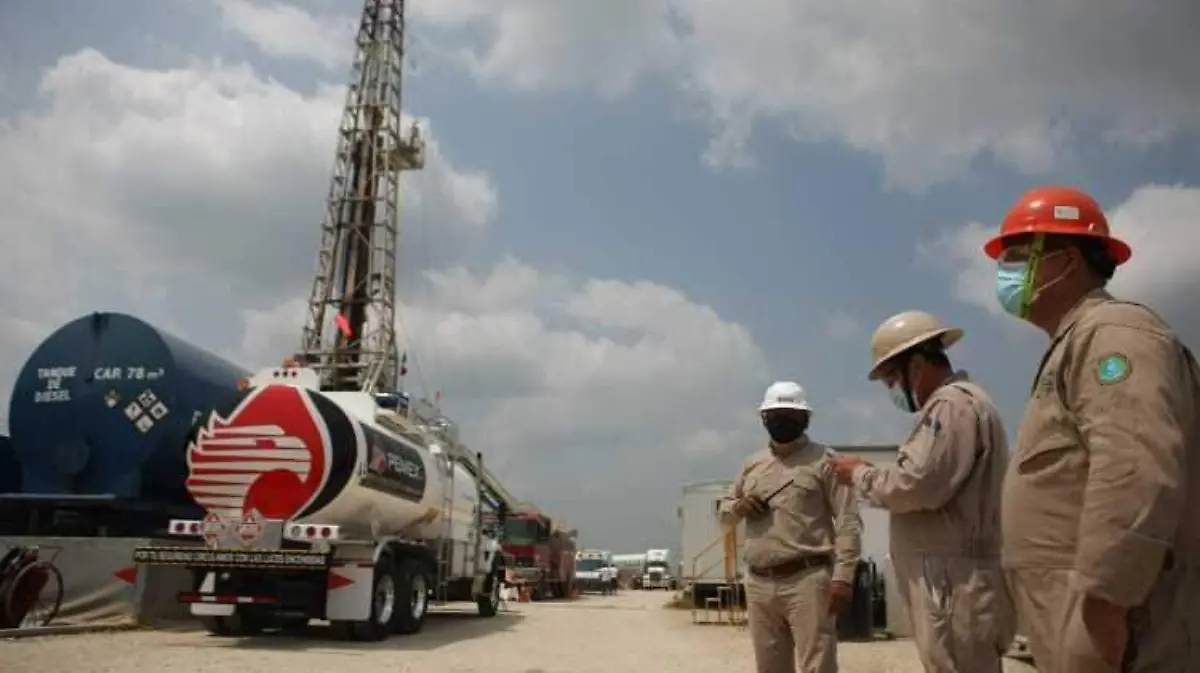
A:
[702,550]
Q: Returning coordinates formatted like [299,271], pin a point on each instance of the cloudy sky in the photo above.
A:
[636,213]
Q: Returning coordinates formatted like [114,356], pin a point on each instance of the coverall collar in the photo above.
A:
[791,447]
[954,377]
[1089,300]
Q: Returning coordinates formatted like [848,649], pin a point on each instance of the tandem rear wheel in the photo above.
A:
[399,602]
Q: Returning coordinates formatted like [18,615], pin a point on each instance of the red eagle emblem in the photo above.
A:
[270,454]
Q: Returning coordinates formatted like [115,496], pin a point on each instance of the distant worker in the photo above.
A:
[943,493]
[1101,514]
[803,540]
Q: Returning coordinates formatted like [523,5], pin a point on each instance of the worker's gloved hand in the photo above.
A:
[750,506]
[843,468]
[840,594]
[1108,626]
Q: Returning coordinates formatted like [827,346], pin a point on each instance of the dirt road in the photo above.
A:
[629,632]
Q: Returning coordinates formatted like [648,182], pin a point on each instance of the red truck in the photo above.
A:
[541,553]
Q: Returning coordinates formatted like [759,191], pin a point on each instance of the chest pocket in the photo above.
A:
[1049,448]
[1047,443]
[806,497]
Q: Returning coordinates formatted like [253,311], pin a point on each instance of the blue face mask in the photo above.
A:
[1010,286]
[900,399]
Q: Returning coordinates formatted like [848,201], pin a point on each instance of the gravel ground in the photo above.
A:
[629,632]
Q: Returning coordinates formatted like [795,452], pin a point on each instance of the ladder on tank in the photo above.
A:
[445,555]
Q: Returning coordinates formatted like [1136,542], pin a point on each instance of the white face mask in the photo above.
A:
[900,399]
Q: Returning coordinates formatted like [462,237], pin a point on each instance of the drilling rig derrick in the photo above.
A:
[350,332]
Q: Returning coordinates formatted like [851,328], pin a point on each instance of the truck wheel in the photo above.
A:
[383,606]
[489,602]
[412,597]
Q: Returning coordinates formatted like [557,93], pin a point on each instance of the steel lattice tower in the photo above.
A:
[350,332]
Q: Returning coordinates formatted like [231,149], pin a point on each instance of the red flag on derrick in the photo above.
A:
[344,325]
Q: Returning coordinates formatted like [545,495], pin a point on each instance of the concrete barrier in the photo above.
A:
[102,587]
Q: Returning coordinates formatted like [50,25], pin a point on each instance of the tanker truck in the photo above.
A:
[357,508]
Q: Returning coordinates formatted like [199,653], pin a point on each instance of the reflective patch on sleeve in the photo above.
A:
[1113,368]
[932,423]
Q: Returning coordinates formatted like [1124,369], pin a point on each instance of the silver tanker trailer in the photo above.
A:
[340,506]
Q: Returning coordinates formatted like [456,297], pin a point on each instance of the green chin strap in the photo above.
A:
[1031,272]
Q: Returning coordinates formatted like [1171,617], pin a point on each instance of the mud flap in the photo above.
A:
[209,586]
[349,592]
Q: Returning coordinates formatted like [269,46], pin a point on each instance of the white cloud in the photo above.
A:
[538,44]
[629,386]
[959,252]
[543,369]
[192,197]
[175,190]
[286,31]
[930,86]
[1158,221]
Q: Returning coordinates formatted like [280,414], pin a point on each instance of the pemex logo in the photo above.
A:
[271,454]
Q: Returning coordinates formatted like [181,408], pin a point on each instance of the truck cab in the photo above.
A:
[542,555]
[657,570]
[527,543]
[593,570]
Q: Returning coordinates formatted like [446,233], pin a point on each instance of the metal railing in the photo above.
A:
[727,602]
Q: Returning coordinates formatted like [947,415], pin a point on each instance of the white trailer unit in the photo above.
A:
[657,574]
[702,551]
[625,562]
[332,505]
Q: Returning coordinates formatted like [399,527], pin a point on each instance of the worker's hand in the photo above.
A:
[839,596]
[1108,626]
[750,507]
[843,468]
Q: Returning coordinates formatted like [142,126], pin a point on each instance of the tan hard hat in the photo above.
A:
[905,330]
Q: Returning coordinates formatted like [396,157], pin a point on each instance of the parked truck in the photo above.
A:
[657,573]
[594,570]
[630,568]
[353,507]
[541,553]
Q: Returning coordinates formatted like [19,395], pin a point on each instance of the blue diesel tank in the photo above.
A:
[104,406]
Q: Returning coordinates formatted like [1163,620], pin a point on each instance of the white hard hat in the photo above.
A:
[784,395]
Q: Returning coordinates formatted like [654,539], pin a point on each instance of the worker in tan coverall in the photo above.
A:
[803,539]
[943,493]
[1101,520]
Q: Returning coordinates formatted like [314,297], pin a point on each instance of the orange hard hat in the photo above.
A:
[1057,210]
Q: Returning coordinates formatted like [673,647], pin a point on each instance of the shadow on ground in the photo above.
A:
[441,629]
